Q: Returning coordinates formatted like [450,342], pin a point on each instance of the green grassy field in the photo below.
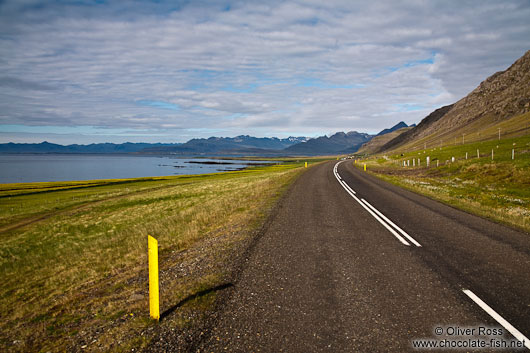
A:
[73,259]
[497,188]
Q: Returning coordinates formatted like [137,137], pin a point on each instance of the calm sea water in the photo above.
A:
[35,168]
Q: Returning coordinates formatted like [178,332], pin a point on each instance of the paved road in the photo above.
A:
[327,276]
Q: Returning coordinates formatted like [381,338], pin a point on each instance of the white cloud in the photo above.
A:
[258,68]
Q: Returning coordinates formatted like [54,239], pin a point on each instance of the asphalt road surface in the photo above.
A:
[334,273]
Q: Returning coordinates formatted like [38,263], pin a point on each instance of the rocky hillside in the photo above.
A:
[503,95]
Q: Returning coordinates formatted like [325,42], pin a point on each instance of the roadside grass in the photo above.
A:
[23,201]
[497,188]
[78,276]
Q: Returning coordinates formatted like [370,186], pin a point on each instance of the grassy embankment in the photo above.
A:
[73,259]
[498,189]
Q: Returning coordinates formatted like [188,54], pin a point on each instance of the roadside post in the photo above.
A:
[154,303]
[306,164]
[365,167]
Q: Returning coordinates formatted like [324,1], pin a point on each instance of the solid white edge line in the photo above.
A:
[399,237]
[411,239]
[515,332]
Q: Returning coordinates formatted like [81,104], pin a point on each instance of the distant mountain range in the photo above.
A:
[339,143]
[46,147]
[228,145]
[212,146]
[244,145]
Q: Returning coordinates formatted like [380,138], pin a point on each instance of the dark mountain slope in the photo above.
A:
[411,134]
[398,126]
[503,95]
[338,143]
[216,145]
[46,147]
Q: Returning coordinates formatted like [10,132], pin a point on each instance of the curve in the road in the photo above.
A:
[326,277]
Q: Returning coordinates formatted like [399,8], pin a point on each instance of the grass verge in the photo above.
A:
[73,260]
[466,176]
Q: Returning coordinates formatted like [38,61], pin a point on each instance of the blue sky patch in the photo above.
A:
[317,83]
[409,107]
[158,104]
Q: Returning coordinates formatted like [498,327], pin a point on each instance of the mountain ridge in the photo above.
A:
[211,145]
[215,145]
[338,143]
[95,148]
[502,96]
[398,126]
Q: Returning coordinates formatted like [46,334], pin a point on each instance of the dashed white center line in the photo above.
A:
[381,218]
[515,332]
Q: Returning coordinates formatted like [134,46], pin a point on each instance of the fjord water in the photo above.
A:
[38,168]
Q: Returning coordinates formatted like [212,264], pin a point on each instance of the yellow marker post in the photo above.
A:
[365,167]
[154,303]
[306,164]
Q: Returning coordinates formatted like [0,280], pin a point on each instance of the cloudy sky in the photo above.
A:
[114,71]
